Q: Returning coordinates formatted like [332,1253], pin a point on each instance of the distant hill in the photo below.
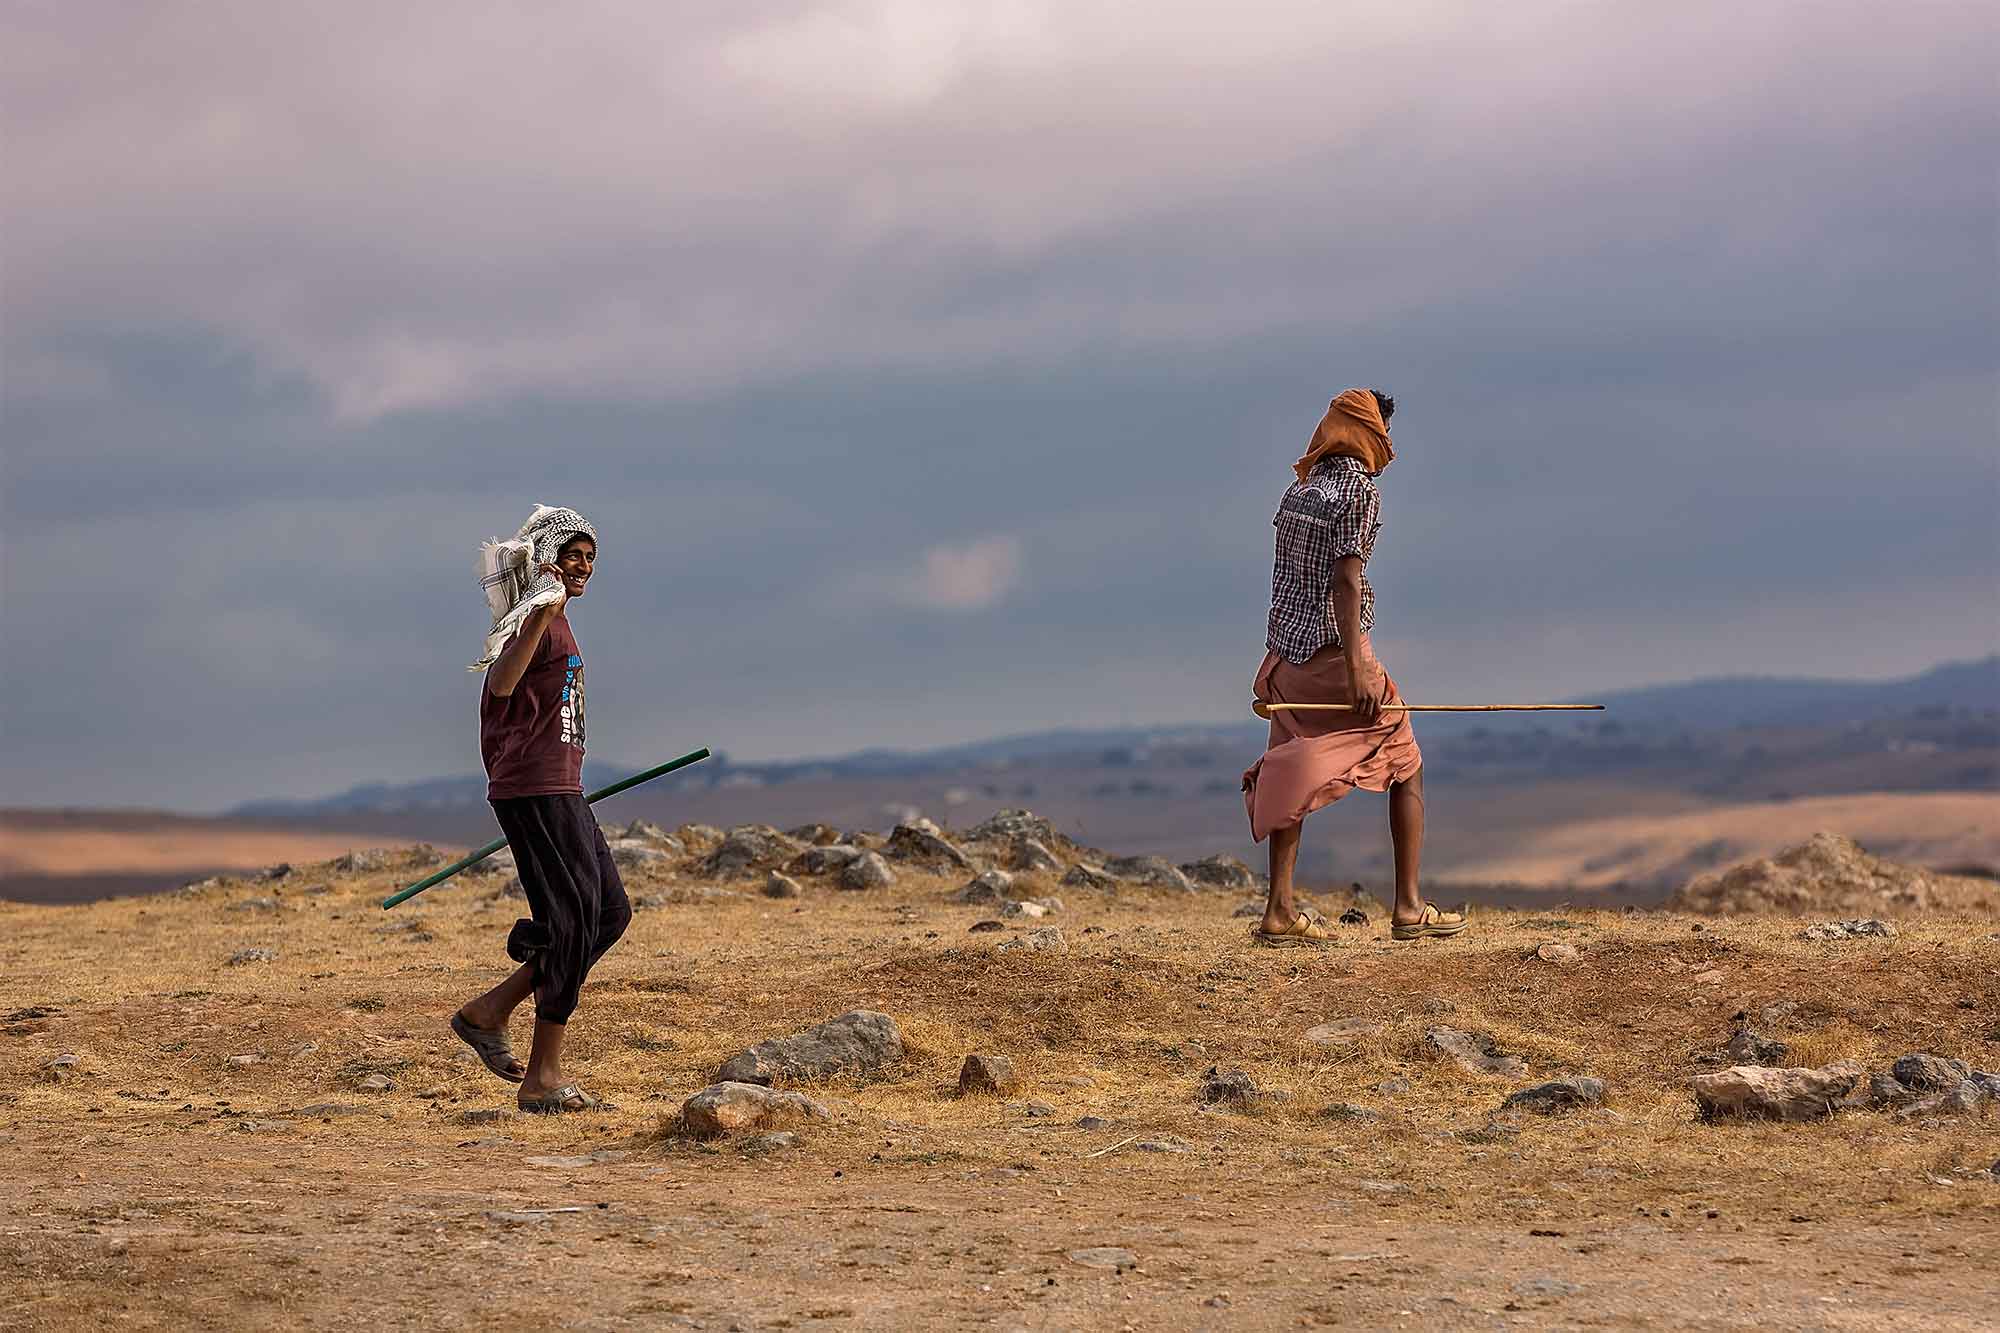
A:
[1932,731]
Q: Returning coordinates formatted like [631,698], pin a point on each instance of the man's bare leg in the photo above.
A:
[544,1060]
[1406,831]
[492,1010]
[1279,909]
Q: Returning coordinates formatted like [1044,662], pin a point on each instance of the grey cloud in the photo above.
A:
[1690,310]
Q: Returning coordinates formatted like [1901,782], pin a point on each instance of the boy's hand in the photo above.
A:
[562,584]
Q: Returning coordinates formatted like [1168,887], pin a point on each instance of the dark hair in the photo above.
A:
[1385,403]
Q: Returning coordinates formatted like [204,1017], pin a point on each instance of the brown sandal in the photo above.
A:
[491,1047]
[1304,933]
[569,1097]
[1433,923]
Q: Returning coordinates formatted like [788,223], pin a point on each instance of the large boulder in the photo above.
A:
[729,1108]
[637,854]
[1031,856]
[923,844]
[749,849]
[1752,1092]
[1924,1072]
[858,1042]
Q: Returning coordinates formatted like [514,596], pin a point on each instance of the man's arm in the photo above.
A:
[512,664]
[1371,687]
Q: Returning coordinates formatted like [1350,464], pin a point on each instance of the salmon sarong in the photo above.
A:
[1312,759]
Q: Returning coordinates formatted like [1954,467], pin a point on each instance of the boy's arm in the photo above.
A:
[512,664]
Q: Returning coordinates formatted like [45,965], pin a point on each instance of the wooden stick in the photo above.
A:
[1262,709]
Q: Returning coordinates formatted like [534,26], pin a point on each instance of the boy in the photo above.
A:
[531,736]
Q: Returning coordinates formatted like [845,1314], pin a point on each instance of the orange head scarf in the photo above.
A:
[1351,428]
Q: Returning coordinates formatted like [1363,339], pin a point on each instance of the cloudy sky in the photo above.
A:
[931,370]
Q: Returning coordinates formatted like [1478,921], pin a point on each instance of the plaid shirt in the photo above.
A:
[1336,511]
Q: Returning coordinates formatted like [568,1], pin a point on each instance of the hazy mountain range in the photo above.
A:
[1711,724]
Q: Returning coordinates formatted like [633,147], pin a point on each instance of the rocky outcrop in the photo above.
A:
[1829,874]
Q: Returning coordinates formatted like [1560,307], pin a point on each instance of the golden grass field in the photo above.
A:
[159,1184]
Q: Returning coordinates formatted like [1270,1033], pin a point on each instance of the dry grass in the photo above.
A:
[1153,991]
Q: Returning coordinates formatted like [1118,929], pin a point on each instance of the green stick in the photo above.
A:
[692,757]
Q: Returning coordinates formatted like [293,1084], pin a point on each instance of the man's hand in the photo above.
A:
[1370,685]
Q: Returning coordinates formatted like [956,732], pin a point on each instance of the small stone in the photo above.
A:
[1099,1122]
[778,885]
[985,927]
[243,1061]
[362,861]
[1255,907]
[1166,1144]
[1219,872]
[1227,1087]
[245,957]
[823,860]
[329,1110]
[989,886]
[487,1115]
[993,1074]
[1031,911]
[278,871]
[1030,857]
[1553,952]
[376,1083]
[819,835]
[1083,875]
[1745,1047]
[1036,1110]
[1345,1031]
[1545,1289]
[727,1107]
[866,871]
[1347,1111]
[255,905]
[249,1126]
[1850,930]
[748,848]
[1475,1052]
[763,1145]
[1105,1256]
[1155,871]
[1960,1100]
[1045,939]
[1557,1096]
[636,854]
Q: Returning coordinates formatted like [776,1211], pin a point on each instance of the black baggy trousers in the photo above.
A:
[579,903]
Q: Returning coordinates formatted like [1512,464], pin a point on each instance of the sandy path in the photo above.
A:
[197,1238]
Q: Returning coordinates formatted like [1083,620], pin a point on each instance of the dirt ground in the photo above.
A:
[165,1181]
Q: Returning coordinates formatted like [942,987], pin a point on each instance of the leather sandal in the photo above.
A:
[1303,933]
[1433,923]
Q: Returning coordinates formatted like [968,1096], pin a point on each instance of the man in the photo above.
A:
[1318,651]
[531,736]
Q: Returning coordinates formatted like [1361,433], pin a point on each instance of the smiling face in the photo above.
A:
[577,559]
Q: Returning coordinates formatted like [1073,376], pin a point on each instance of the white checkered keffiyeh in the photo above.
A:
[511,572]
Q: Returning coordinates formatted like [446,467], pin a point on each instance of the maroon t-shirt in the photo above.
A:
[532,740]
